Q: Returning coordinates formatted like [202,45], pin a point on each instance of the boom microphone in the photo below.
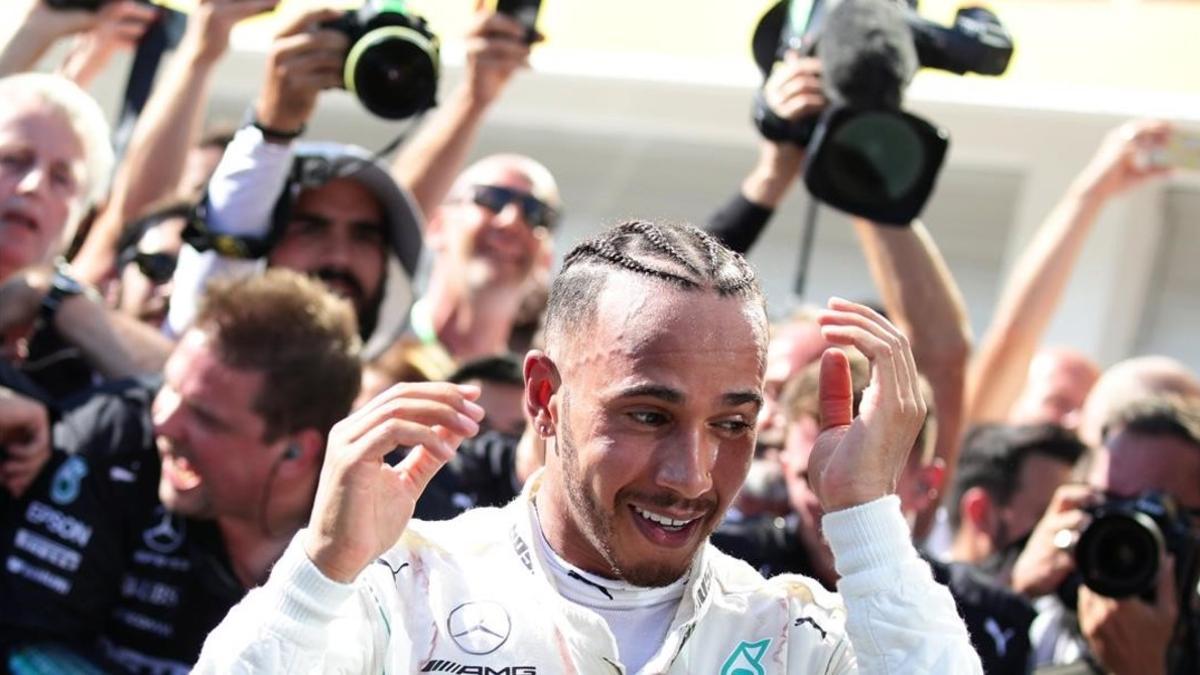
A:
[867,54]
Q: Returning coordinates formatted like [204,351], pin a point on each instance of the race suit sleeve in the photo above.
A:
[241,196]
[898,618]
[300,621]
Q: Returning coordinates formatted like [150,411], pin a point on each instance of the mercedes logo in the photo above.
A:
[479,627]
[166,535]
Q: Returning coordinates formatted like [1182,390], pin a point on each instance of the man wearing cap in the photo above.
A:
[325,209]
[338,211]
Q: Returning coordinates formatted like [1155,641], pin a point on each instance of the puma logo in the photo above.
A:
[1000,637]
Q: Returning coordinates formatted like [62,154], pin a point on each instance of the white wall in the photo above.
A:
[674,150]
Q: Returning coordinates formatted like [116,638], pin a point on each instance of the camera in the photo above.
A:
[1118,553]
[865,155]
[392,64]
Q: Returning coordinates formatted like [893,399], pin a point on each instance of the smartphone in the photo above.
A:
[1182,151]
[524,11]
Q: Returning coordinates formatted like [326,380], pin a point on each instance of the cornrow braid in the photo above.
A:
[605,250]
[680,255]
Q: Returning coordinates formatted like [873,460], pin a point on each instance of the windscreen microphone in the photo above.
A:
[867,54]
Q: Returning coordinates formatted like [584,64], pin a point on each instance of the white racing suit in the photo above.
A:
[471,596]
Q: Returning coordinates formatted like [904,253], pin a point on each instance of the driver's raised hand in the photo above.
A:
[363,504]
[859,459]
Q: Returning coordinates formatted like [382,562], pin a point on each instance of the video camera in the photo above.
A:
[864,154]
[392,64]
[1118,553]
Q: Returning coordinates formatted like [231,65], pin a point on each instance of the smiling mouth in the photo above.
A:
[179,473]
[663,530]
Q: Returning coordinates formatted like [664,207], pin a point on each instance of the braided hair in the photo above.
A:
[680,255]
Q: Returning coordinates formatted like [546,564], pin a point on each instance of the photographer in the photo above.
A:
[913,279]
[344,223]
[1152,444]
[1007,475]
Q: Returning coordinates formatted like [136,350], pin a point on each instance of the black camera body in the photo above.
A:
[1118,553]
[865,155]
[392,65]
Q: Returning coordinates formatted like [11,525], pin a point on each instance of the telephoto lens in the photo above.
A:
[1118,553]
[392,65]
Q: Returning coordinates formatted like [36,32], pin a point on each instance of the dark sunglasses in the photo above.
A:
[157,267]
[494,198]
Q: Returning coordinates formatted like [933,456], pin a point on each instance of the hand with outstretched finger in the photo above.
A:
[859,459]
[363,504]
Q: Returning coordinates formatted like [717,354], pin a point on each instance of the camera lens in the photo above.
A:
[1118,554]
[876,154]
[392,72]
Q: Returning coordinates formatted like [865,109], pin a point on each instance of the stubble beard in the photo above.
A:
[597,526]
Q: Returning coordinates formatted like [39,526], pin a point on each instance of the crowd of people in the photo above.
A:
[268,404]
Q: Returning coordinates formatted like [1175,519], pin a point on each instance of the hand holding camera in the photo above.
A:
[497,48]
[793,90]
[304,58]
[1048,558]
[1130,635]
[122,20]
[116,27]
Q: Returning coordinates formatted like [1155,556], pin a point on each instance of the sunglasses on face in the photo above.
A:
[494,198]
[157,267]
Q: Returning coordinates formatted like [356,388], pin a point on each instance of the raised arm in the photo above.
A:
[897,617]
[1035,286]
[303,60]
[792,91]
[923,300]
[116,345]
[31,27]
[430,162]
[362,507]
[92,51]
[167,130]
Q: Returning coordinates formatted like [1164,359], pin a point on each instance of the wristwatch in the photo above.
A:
[62,287]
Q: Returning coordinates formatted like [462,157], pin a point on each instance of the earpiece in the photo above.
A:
[292,452]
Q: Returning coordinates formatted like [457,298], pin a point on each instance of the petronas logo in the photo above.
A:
[746,659]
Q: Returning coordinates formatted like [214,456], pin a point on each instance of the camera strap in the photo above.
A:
[808,237]
[162,35]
